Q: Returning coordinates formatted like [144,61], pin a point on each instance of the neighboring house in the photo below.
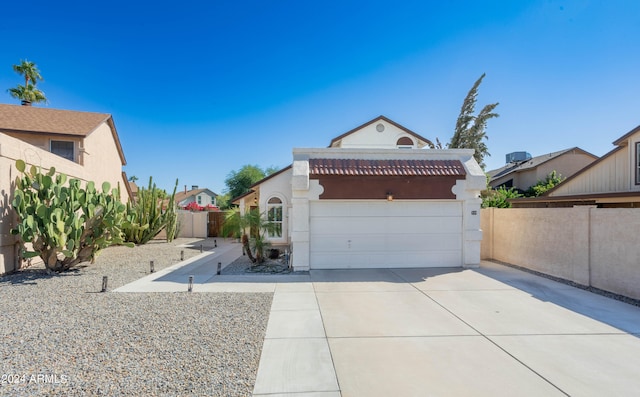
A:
[82,145]
[523,171]
[375,199]
[133,190]
[202,197]
[611,181]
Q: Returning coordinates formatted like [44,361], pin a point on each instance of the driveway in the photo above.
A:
[491,331]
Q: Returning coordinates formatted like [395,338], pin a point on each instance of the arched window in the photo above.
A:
[404,143]
[274,216]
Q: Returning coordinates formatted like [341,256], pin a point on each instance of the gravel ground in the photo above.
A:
[62,337]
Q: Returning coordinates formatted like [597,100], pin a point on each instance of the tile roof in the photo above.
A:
[43,120]
[386,167]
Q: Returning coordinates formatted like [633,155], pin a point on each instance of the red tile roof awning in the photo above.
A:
[386,167]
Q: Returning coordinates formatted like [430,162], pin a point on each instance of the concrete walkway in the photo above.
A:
[492,331]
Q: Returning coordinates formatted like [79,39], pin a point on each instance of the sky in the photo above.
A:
[198,89]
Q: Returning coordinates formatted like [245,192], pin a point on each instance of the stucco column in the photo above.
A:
[468,192]
[299,221]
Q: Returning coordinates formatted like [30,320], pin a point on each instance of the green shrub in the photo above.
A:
[65,223]
[498,197]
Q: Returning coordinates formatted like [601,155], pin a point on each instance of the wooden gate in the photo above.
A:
[214,225]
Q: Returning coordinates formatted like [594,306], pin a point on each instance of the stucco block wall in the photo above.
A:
[193,224]
[615,250]
[590,246]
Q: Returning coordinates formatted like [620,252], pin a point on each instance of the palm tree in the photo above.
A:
[237,225]
[27,94]
[29,71]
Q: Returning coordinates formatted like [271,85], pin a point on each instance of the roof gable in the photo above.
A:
[623,139]
[180,196]
[532,163]
[421,141]
[34,120]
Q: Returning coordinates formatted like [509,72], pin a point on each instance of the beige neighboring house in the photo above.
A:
[82,145]
[523,171]
[609,182]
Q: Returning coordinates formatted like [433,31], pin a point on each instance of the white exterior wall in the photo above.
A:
[369,138]
[278,186]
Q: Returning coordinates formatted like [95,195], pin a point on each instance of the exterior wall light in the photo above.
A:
[389,196]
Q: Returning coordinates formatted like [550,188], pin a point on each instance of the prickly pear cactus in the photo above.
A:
[65,223]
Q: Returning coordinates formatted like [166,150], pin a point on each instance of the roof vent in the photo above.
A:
[517,157]
[194,187]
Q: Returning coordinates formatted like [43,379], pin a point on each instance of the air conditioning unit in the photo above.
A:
[517,157]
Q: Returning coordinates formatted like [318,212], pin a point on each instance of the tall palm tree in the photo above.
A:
[29,70]
[28,93]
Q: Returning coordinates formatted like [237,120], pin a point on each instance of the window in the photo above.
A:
[637,163]
[199,200]
[63,149]
[404,143]
[274,216]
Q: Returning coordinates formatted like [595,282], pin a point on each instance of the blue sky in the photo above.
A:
[199,88]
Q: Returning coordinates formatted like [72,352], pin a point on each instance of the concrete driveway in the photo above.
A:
[492,331]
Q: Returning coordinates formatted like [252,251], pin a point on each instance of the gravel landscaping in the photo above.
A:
[62,336]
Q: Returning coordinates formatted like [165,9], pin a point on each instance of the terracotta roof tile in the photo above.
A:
[34,119]
[386,167]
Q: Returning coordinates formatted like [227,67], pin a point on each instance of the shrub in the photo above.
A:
[65,224]
[498,198]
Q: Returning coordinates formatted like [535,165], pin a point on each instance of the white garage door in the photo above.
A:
[377,234]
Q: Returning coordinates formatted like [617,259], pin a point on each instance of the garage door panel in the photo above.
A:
[387,225]
[361,234]
[345,261]
[383,242]
[389,208]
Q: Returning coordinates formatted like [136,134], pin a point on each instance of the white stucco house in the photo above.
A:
[377,197]
[201,196]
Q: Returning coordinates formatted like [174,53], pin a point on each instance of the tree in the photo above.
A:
[470,130]
[28,92]
[258,226]
[238,182]
[29,70]
[543,185]
[133,178]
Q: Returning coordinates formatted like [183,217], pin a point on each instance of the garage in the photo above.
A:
[385,234]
